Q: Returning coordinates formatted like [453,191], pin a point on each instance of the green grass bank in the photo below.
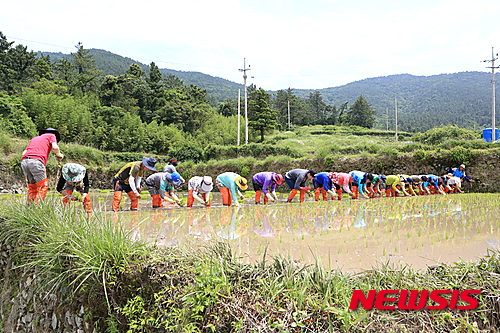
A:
[322,148]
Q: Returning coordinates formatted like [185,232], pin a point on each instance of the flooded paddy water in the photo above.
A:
[352,235]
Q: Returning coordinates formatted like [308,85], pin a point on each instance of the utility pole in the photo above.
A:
[289,115]
[387,119]
[493,131]
[239,112]
[244,70]
[396,109]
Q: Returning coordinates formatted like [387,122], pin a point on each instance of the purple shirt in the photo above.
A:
[266,180]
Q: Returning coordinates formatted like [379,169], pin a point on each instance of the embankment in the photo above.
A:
[482,166]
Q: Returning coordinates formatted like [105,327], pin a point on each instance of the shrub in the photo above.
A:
[5,143]
[459,155]
[15,120]
[251,150]
[438,135]
[421,154]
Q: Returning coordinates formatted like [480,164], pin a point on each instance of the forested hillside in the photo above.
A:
[112,64]
[462,99]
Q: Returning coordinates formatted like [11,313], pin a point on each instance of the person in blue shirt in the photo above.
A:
[460,173]
[359,181]
[322,183]
[433,182]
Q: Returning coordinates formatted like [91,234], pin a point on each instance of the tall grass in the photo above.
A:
[67,250]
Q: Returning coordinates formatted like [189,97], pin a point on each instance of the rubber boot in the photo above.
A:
[134,200]
[291,195]
[117,198]
[257,197]
[87,205]
[266,199]
[339,194]
[316,193]
[355,191]
[325,195]
[388,192]
[227,199]
[43,188]
[66,194]
[190,200]
[32,193]
[156,201]
[302,195]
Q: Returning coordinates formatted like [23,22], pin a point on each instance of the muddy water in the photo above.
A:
[350,234]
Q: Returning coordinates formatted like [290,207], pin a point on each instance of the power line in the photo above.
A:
[32,41]
[137,59]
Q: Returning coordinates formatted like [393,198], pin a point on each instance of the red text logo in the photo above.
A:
[415,299]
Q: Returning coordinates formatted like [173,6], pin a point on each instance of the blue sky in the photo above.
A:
[298,44]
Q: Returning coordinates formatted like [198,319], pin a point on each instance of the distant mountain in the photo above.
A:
[462,99]
[217,88]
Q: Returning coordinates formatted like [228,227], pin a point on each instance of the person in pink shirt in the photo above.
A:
[34,160]
[341,181]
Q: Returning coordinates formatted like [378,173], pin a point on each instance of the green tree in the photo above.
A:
[70,115]
[361,114]
[13,117]
[185,107]
[261,117]
[173,82]
[119,91]
[299,115]
[16,66]
[86,70]
[228,108]
[64,72]
[136,70]
[155,75]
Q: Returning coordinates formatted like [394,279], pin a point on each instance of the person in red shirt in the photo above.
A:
[341,181]
[34,160]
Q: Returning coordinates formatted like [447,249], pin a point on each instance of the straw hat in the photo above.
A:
[241,182]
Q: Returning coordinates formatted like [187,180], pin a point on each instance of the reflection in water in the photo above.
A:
[230,225]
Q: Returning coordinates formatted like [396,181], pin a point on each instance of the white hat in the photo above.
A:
[462,166]
[207,184]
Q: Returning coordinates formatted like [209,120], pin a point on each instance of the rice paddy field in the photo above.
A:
[352,235]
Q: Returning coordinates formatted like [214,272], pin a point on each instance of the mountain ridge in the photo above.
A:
[462,98]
